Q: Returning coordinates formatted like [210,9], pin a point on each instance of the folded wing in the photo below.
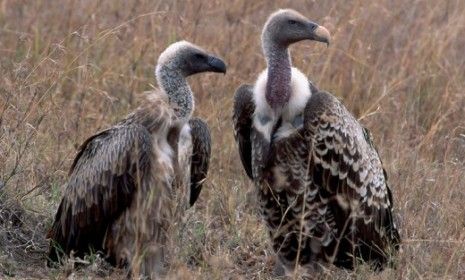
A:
[103,178]
[244,108]
[200,160]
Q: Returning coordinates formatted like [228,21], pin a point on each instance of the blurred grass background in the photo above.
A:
[70,68]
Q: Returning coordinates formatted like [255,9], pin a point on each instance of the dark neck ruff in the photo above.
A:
[278,86]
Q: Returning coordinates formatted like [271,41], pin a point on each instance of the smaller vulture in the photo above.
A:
[129,182]
[321,186]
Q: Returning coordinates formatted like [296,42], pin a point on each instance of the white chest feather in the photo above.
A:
[185,146]
[163,155]
[265,117]
[184,161]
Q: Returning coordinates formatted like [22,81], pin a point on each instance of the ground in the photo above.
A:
[71,68]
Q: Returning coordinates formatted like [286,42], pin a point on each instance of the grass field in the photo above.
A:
[70,68]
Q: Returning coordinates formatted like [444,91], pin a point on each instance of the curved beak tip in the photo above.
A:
[322,34]
[217,65]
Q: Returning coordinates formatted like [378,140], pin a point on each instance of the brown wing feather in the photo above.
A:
[244,108]
[102,181]
[347,166]
[325,182]
[201,152]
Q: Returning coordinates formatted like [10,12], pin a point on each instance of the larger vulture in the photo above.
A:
[321,186]
[128,181]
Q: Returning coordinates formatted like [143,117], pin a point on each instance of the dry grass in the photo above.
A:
[69,68]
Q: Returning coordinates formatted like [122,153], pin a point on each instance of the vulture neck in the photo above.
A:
[180,97]
[278,86]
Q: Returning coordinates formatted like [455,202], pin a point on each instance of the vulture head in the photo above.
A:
[286,27]
[188,59]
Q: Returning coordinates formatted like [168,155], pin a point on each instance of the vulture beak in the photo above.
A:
[216,65]
[319,33]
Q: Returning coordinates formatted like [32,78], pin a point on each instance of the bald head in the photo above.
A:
[188,59]
[285,27]
[178,61]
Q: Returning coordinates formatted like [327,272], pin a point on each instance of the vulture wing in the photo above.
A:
[103,179]
[201,152]
[346,167]
[244,108]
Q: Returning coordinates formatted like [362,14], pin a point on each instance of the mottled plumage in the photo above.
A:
[128,183]
[321,186]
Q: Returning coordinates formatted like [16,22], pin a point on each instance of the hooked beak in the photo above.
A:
[216,65]
[319,33]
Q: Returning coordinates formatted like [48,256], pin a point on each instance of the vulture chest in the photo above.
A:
[180,141]
[295,209]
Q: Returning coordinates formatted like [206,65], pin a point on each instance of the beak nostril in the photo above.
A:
[313,26]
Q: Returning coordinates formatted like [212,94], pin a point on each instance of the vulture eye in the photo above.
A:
[292,22]
[199,56]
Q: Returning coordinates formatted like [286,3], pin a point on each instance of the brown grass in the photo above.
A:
[69,68]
